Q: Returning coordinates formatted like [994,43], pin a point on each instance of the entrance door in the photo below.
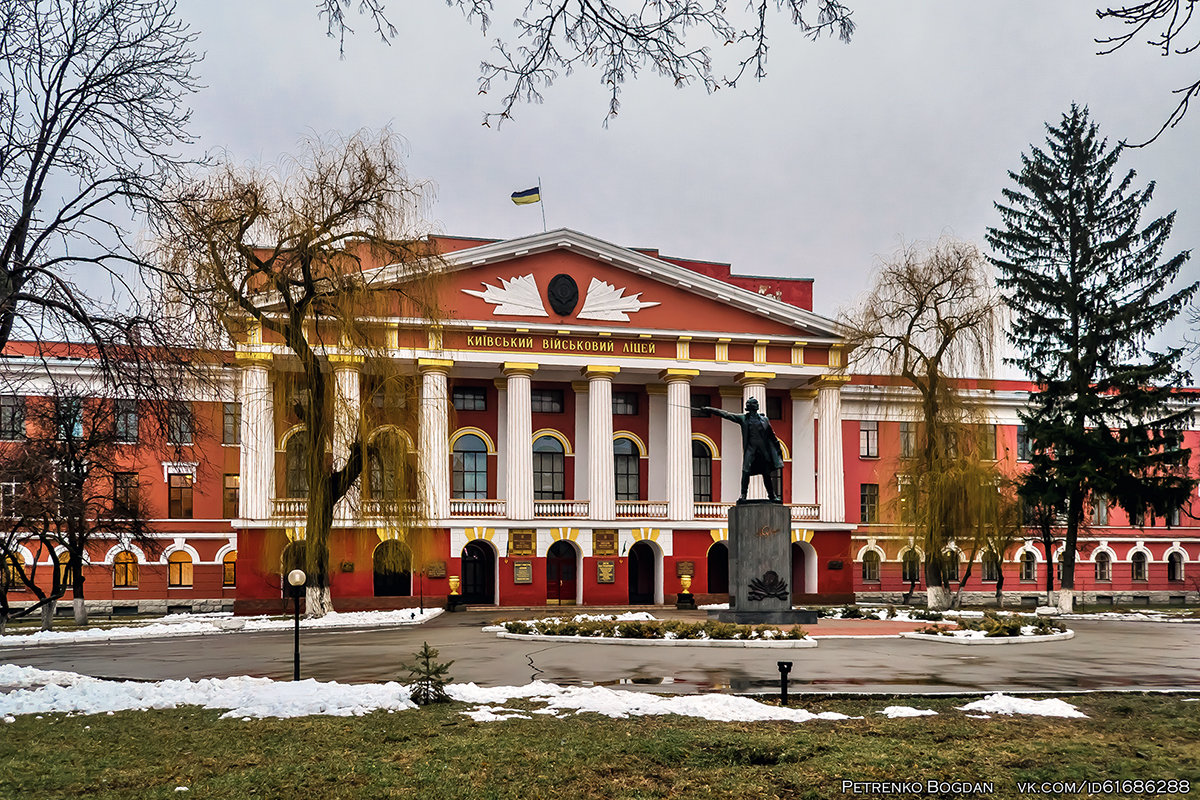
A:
[641,574]
[718,568]
[478,574]
[560,575]
[798,565]
[392,565]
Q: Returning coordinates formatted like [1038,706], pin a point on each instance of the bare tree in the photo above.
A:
[932,317]
[554,36]
[286,255]
[1166,22]
[92,109]
[70,484]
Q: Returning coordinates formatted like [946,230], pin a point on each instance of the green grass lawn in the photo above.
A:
[438,753]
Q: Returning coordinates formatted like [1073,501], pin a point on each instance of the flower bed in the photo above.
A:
[995,628]
[601,628]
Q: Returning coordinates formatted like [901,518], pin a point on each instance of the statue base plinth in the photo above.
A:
[792,617]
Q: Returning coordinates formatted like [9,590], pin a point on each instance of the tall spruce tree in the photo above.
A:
[1087,290]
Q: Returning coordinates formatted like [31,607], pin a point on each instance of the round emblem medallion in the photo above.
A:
[563,294]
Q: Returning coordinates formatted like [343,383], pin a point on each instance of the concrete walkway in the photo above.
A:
[1103,655]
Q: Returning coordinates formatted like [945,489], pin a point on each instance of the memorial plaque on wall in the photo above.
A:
[685,569]
[606,571]
[435,569]
[604,543]
[522,572]
[520,543]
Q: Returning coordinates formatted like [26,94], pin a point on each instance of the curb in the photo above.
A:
[933,637]
[747,643]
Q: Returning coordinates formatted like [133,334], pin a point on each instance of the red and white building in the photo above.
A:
[564,459]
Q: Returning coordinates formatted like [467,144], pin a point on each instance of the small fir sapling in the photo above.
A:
[429,676]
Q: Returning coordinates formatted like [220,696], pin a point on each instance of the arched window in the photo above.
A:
[911,566]
[991,567]
[1138,564]
[627,465]
[1028,566]
[393,471]
[229,563]
[1175,567]
[125,570]
[1103,567]
[549,480]
[950,565]
[296,461]
[179,569]
[870,567]
[701,472]
[469,477]
[10,574]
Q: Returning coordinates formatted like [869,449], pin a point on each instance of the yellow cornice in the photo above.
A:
[830,381]
[519,368]
[754,377]
[592,371]
[803,393]
[434,364]
[349,359]
[674,375]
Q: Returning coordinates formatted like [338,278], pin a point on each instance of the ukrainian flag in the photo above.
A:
[528,196]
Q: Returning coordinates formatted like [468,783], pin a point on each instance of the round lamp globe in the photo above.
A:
[297,577]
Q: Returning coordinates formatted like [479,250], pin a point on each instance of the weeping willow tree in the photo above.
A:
[286,261]
[931,319]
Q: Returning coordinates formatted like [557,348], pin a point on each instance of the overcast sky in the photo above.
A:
[839,155]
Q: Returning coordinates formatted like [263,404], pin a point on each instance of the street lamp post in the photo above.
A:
[296,578]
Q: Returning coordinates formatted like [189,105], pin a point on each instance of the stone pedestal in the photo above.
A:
[760,567]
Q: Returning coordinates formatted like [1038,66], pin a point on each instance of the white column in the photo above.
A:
[754,384]
[804,446]
[831,491]
[680,491]
[602,491]
[518,458]
[657,394]
[582,450]
[434,434]
[731,446]
[346,409]
[257,480]
[501,436]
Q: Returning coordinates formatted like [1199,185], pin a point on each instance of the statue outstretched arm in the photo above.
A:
[724,414]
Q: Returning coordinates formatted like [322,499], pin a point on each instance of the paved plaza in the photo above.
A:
[1105,654]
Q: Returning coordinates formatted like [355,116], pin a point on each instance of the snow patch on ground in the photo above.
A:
[894,712]
[203,625]
[1006,704]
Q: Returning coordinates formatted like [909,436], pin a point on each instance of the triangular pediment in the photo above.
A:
[611,287]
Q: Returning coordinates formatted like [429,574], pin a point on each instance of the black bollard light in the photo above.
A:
[784,668]
[296,578]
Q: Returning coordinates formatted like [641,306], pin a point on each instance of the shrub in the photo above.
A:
[851,612]
[928,616]
[516,627]
[720,630]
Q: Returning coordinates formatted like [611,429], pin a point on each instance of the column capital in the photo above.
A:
[803,392]
[345,360]
[731,391]
[678,375]
[751,378]
[512,368]
[830,381]
[434,364]
[599,371]
[579,386]
[656,390]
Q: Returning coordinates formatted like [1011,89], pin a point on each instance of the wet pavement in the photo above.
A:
[1103,655]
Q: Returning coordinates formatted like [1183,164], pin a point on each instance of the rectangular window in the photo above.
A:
[69,411]
[868,439]
[869,496]
[950,566]
[179,570]
[908,439]
[1028,567]
[9,491]
[231,423]
[699,401]
[230,497]
[125,494]
[774,407]
[987,448]
[179,423]
[179,496]
[1173,517]
[991,567]
[469,398]
[1022,444]
[546,401]
[625,403]
[126,423]
[1099,510]
[12,417]
[1137,519]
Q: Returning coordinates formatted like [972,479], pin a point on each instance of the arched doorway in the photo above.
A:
[642,579]
[804,570]
[718,568]
[561,579]
[478,574]
[392,566]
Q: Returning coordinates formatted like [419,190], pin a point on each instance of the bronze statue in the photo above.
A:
[761,453]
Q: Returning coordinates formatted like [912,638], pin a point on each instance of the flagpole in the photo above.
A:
[542,203]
